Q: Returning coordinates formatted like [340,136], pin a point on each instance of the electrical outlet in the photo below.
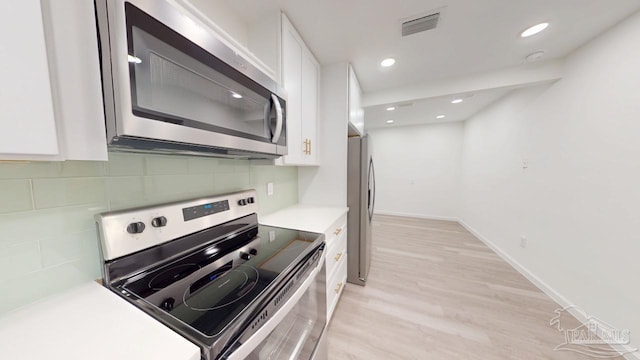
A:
[523,242]
[269,188]
[272,235]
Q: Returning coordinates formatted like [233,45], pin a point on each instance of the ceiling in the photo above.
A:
[425,111]
[473,37]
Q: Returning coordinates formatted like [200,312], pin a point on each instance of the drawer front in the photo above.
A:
[335,287]
[336,253]
[338,228]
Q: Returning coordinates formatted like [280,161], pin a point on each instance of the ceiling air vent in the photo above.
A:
[420,24]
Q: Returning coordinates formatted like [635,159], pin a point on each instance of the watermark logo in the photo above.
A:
[594,338]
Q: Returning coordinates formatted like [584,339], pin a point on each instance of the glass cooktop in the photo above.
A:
[209,288]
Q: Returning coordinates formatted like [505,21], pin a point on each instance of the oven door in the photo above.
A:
[169,79]
[296,331]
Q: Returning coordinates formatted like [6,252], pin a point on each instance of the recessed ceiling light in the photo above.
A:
[390,121]
[440,117]
[457,101]
[534,29]
[388,62]
[391,108]
[134,59]
[236,95]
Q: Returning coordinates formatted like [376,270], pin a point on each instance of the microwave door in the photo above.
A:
[172,89]
[172,86]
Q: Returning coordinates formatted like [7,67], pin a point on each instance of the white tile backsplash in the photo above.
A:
[16,195]
[54,246]
[59,192]
[66,248]
[19,259]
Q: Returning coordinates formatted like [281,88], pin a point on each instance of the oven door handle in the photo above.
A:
[248,346]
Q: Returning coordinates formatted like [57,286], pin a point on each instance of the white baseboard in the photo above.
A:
[544,287]
[556,296]
[419,216]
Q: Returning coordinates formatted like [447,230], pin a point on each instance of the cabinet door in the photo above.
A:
[292,79]
[72,48]
[27,124]
[335,286]
[310,71]
[300,76]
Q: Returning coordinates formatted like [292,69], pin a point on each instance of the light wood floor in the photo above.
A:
[436,292]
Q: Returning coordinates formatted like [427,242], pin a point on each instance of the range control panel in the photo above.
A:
[124,232]
[195,212]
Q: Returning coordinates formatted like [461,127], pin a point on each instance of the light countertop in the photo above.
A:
[304,217]
[89,322]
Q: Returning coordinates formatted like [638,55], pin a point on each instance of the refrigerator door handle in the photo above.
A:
[371,201]
[373,206]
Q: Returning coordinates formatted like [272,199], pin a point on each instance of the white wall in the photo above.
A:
[578,201]
[417,169]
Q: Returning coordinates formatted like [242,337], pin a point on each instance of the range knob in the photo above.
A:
[253,252]
[245,256]
[167,304]
[251,200]
[136,227]
[242,202]
[160,221]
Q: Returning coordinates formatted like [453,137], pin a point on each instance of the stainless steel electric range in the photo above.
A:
[206,268]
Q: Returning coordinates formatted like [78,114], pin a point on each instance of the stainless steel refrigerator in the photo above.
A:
[361,196]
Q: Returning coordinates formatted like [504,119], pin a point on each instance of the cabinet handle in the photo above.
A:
[338,256]
[307,147]
[338,231]
[338,288]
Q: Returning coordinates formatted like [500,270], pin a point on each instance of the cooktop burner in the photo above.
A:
[223,290]
[171,275]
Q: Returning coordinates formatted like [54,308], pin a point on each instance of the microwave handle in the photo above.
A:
[278,129]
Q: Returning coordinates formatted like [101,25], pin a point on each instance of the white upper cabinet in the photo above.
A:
[310,74]
[356,112]
[28,125]
[300,78]
[51,94]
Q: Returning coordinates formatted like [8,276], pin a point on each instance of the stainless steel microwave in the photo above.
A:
[171,85]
